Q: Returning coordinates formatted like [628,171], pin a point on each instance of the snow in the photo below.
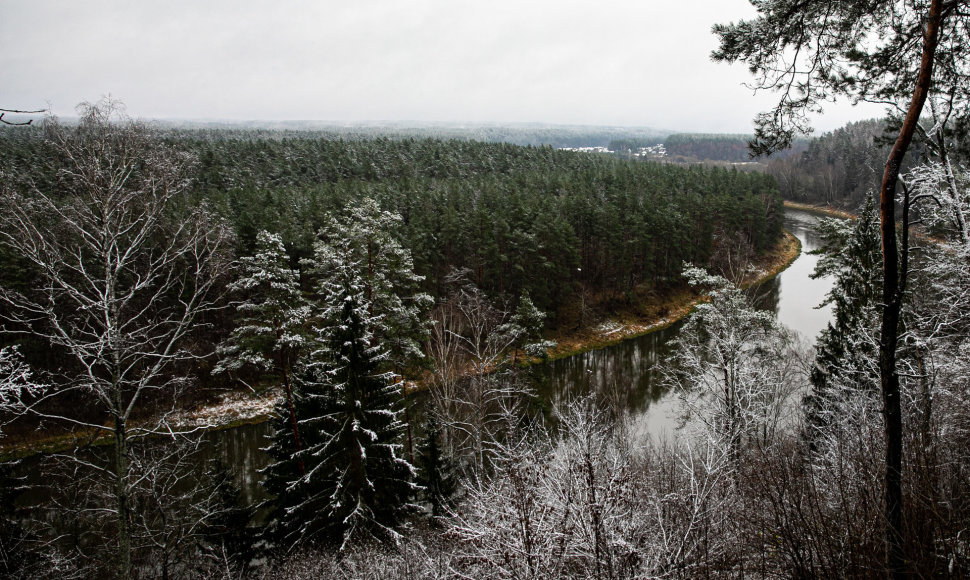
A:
[233,406]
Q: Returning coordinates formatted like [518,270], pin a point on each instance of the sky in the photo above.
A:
[641,63]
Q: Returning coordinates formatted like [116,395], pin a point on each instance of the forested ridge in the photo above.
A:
[525,134]
[718,147]
[838,168]
[841,167]
[534,219]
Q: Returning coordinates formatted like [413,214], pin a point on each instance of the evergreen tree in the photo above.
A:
[271,327]
[366,240]
[847,347]
[272,330]
[356,486]
[282,477]
[348,483]
[524,329]
[436,471]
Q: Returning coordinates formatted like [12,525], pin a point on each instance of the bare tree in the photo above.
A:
[588,503]
[125,268]
[17,384]
[734,367]
[19,112]
[475,402]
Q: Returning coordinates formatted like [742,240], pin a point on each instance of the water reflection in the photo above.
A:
[628,372]
[799,294]
[240,449]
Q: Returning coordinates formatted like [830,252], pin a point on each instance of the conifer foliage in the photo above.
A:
[358,480]
[271,331]
[363,244]
[847,346]
[349,482]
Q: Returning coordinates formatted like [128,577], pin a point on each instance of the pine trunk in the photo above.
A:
[892,301]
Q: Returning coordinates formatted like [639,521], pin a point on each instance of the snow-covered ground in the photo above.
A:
[233,406]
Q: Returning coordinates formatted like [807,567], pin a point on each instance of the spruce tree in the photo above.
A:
[283,477]
[357,487]
[846,347]
[348,482]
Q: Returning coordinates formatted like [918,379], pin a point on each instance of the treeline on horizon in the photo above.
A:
[524,134]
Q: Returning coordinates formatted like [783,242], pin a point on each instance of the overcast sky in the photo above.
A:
[594,62]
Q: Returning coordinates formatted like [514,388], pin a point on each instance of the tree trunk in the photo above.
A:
[121,496]
[892,300]
[287,387]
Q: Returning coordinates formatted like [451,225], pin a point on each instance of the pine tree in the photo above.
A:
[367,238]
[528,321]
[272,329]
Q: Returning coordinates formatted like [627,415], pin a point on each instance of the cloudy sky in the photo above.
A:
[595,62]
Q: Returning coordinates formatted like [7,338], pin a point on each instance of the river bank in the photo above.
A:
[825,210]
[239,407]
[658,314]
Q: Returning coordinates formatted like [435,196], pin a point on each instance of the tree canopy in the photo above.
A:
[897,52]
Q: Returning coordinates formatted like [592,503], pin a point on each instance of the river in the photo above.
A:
[627,372]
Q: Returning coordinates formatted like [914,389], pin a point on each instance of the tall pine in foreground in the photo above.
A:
[358,487]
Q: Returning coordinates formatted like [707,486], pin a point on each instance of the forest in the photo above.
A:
[841,167]
[339,268]
[522,219]
[384,296]
[144,265]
